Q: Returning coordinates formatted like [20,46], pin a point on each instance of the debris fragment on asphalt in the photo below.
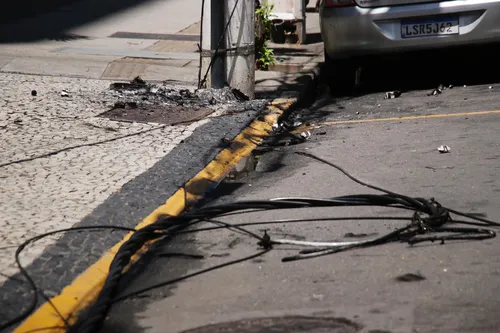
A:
[436,168]
[439,89]
[490,87]
[305,135]
[33,93]
[435,92]
[444,149]
[353,235]
[64,93]
[392,94]
[287,125]
[289,132]
[318,297]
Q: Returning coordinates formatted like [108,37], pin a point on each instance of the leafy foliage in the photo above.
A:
[264,55]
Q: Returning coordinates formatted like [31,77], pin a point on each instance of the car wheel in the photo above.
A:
[341,75]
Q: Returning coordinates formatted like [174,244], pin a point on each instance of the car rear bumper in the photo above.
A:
[356,31]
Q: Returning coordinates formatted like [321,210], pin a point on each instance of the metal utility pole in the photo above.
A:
[240,43]
[231,56]
[213,44]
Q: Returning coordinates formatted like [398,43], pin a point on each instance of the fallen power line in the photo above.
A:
[430,221]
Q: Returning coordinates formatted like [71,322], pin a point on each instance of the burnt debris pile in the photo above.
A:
[140,94]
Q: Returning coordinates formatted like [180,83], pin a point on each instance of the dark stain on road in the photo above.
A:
[234,242]
[361,235]
[291,236]
[288,324]
[410,277]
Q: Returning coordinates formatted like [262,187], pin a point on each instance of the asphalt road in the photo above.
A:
[457,291]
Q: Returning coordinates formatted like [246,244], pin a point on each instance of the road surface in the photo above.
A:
[390,143]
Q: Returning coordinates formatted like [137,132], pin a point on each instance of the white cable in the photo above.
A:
[318,244]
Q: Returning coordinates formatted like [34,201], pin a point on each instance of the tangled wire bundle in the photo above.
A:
[429,219]
[429,222]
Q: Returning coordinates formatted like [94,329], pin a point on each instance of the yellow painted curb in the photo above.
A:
[84,290]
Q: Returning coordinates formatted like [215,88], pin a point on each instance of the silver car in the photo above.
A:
[352,28]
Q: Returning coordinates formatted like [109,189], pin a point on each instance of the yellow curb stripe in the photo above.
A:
[431,116]
[84,290]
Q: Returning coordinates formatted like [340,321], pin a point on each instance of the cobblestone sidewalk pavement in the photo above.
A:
[57,191]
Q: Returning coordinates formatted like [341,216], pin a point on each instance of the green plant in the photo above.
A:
[264,54]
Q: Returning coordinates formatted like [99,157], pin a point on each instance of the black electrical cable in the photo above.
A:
[225,225]
[34,300]
[230,226]
[35,289]
[187,276]
[461,234]
[93,319]
[286,221]
[238,226]
[474,217]
[312,253]
[416,202]
[201,42]
[296,203]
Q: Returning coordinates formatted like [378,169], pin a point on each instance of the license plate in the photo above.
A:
[429,27]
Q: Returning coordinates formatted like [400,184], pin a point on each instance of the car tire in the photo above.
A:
[340,75]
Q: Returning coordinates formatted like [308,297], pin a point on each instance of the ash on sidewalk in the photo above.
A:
[141,102]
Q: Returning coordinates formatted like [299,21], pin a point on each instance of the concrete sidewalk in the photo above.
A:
[172,57]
